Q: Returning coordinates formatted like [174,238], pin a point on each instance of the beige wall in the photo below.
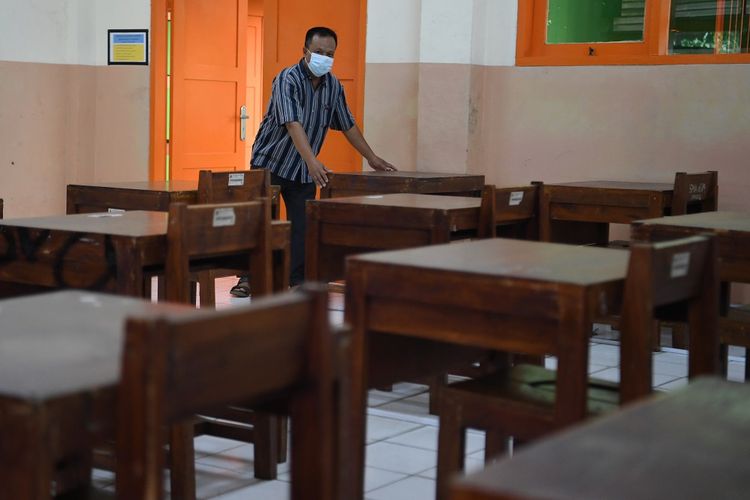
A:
[569,123]
[65,116]
[391,112]
[443,118]
[629,123]
[122,123]
[65,123]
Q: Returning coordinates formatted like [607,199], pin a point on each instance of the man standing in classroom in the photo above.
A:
[306,100]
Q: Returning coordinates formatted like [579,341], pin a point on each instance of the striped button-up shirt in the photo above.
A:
[294,99]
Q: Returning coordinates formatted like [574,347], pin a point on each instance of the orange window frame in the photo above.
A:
[532,49]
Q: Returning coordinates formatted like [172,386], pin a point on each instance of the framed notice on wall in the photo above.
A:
[127,47]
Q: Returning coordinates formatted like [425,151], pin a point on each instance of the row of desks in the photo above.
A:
[99,251]
[415,312]
[111,244]
[571,212]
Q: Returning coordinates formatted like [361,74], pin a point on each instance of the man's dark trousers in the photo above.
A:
[295,194]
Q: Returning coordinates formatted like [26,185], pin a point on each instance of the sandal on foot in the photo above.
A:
[241,289]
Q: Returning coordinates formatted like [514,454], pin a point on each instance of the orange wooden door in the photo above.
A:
[254,89]
[208,86]
[286,22]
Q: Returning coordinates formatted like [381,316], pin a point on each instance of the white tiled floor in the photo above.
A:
[401,435]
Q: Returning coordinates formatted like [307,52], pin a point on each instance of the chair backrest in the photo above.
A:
[510,212]
[278,349]
[695,193]
[234,235]
[228,187]
[673,273]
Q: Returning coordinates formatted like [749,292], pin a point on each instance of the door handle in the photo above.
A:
[243,122]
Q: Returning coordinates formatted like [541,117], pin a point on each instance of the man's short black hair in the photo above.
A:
[322,32]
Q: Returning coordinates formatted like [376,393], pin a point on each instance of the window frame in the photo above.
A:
[531,49]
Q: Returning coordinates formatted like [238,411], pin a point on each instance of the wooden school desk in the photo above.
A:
[401,181]
[138,195]
[338,227]
[732,231]
[100,251]
[580,212]
[59,369]
[414,312]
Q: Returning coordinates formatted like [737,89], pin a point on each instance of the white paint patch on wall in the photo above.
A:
[81,35]
[446,31]
[479,32]
[119,14]
[35,31]
[393,30]
[499,34]
[68,32]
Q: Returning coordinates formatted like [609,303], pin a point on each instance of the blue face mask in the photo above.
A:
[319,64]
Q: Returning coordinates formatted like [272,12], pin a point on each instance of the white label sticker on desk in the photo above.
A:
[236,179]
[99,215]
[680,265]
[224,217]
[516,197]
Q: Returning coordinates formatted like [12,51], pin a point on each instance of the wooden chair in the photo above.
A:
[694,193]
[510,212]
[192,239]
[278,351]
[229,187]
[205,236]
[521,402]
[226,187]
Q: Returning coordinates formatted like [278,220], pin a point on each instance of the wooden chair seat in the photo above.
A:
[529,389]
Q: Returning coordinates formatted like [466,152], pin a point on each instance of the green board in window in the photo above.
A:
[595,21]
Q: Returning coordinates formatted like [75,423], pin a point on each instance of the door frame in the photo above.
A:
[157,150]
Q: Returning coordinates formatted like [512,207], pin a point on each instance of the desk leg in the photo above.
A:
[352,457]
[703,318]
[572,366]
[129,268]
[25,463]
[281,262]
[312,243]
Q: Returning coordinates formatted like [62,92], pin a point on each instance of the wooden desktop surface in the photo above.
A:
[690,444]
